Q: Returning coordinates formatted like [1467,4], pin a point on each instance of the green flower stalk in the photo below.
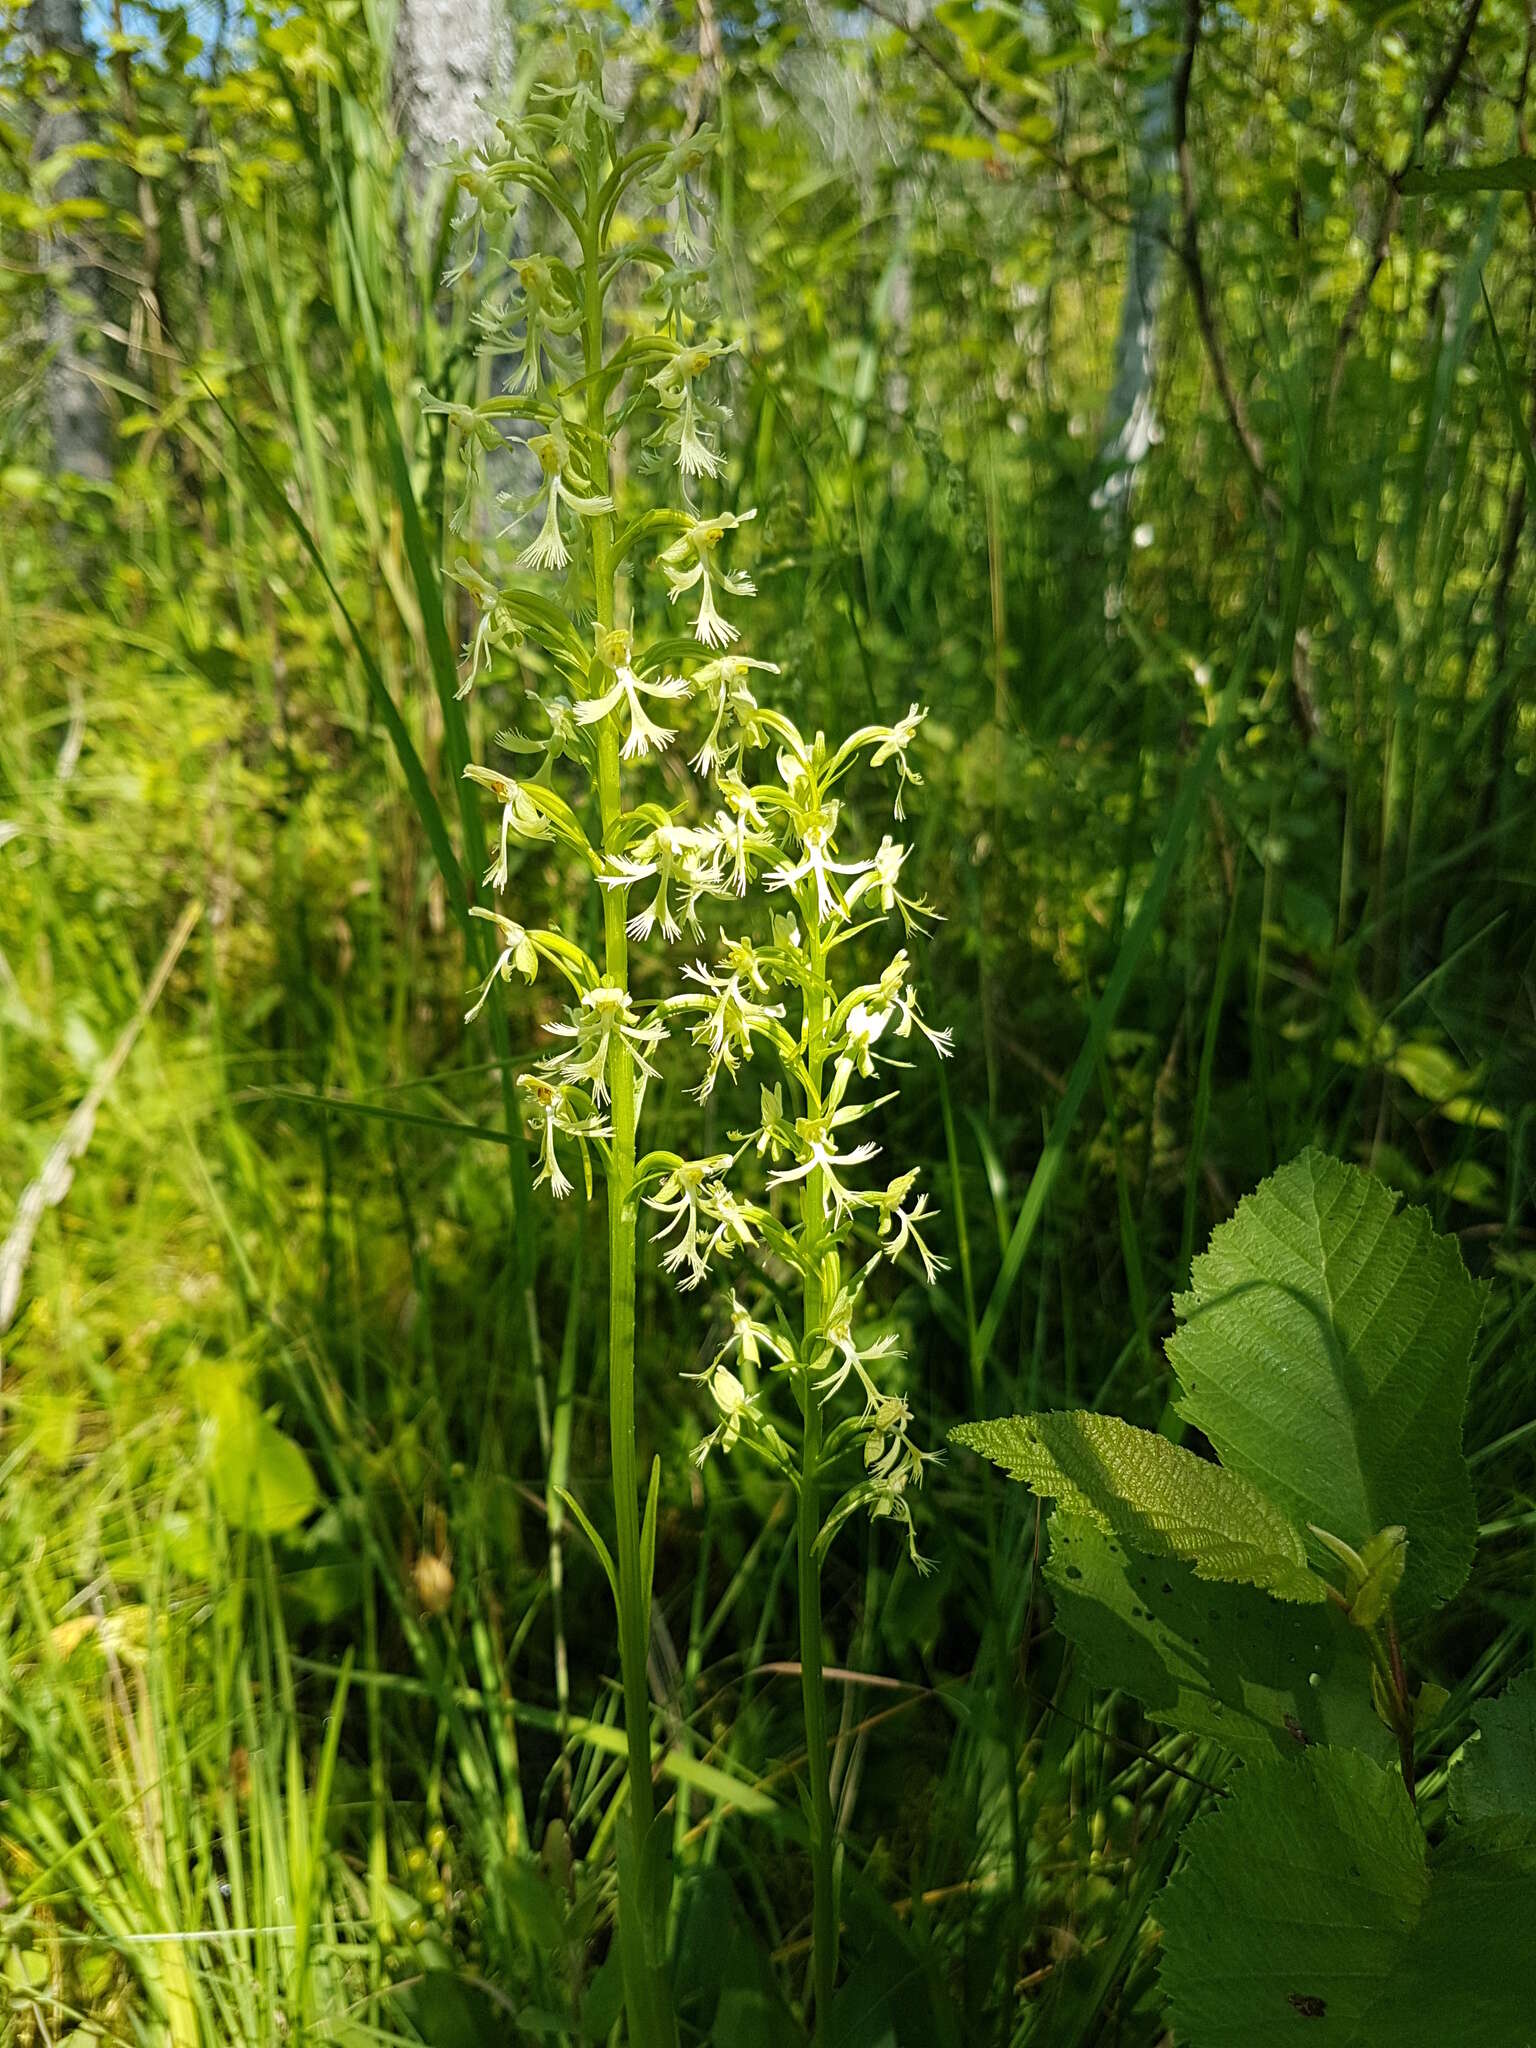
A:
[759,832]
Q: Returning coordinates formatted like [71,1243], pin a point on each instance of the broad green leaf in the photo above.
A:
[1307,1908]
[1431,1071]
[1324,1350]
[1258,1675]
[1155,1497]
[263,1480]
[1468,1974]
[1495,1776]
[260,1477]
[1294,1904]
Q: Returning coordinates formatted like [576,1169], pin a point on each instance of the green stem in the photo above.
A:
[813,1690]
[813,1695]
[645,1989]
[1388,1659]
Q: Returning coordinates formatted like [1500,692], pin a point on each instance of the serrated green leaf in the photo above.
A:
[1260,1676]
[1467,1973]
[1324,1350]
[1155,1497]
[1495,1776]
[1294,1904]
[1307,1908]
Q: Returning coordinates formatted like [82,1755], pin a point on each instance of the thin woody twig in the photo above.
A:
[1232,401]
[988,116]
[1392,204]
[58,1170]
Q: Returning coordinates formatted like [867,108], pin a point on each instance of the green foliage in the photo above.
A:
[1495,1774]
[1228,795]
[260,1478]
[1297,1901]
[1318,1320]
[1324,1348]
[1152,1496]
[1311,1896]
[1254,1674]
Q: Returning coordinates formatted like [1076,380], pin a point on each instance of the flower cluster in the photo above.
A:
[754,863]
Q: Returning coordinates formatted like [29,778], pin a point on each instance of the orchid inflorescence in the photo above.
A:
[783,834]
[744,853]
[765,821]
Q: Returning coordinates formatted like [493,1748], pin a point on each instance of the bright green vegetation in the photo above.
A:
[424,1618]
[1309,1895]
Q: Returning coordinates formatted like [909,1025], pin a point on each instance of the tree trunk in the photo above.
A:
[77,413]
[450,62]
[1130,425]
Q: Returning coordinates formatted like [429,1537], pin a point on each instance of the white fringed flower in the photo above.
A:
[818,864]
[686,564]
[724,682]
[733,1404]
[629,688]
[548,551]
[553,1106]
[520,817]
[684,413]
[517,950]
[682,1199]
[728,1019]
[603,1018]
[684,861]
[820,1154]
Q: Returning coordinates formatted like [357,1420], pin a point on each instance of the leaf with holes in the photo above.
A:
[1324,1348]
[1153,1496]
[1259,1675]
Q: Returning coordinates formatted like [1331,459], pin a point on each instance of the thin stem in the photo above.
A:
[813,1692]
[1388,1660]
[646,1995]
[1404,1705]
